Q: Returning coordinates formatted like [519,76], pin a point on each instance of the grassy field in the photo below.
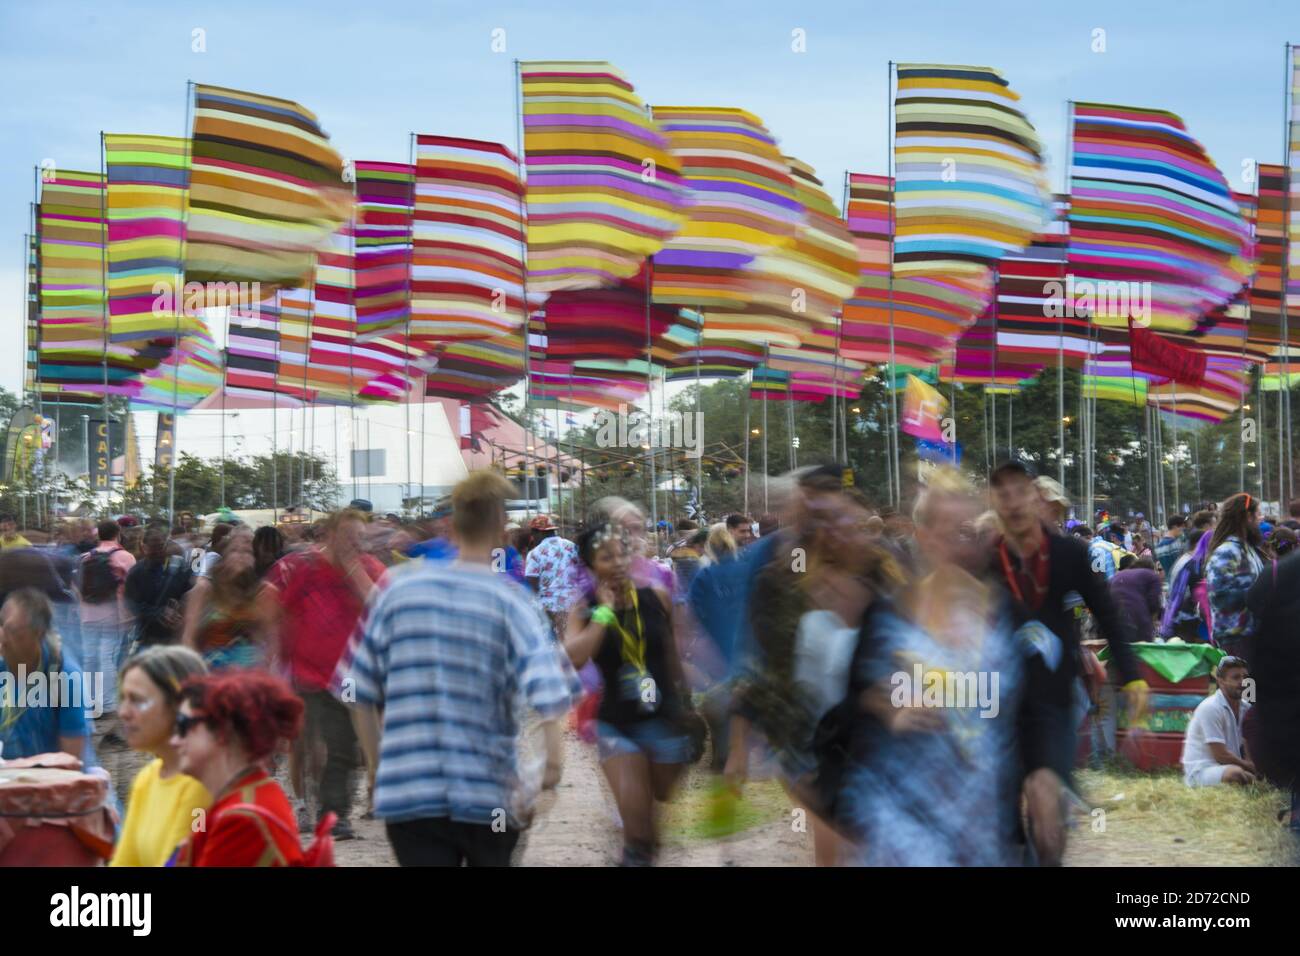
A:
[1154,819]
[1145,819]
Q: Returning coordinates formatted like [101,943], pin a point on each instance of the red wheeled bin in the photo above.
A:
[52,814]
[1178,678]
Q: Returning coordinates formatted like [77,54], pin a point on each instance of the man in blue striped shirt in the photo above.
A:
[452,652]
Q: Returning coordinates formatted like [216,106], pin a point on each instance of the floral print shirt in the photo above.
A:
[1230,571]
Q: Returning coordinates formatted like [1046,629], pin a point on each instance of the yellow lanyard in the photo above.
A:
[633,647]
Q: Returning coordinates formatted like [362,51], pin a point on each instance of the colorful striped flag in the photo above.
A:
[145,204]
[382,228]
[75,354]
[466,269]
[1151,217]
[970,184]
[603,191]
[742,202]
[266,191]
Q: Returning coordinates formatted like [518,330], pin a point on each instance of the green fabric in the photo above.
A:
[1175,662]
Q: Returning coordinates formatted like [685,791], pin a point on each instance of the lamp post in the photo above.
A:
[85,442]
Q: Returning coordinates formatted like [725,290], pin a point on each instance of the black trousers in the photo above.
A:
[328,720]
[437,841]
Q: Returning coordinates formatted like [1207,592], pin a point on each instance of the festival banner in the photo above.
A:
[1153,355]
[101,455]
[923,406]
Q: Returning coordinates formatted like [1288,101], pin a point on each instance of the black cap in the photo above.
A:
[361,504]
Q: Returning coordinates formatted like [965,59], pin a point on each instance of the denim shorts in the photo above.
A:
[659,740]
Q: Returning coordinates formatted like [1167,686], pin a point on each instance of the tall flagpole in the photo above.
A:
[789,425]
[103,277]
[352,339]
[1261,469]
[766,396]
[699,427]
[306,361]
[1173,420]
[275,415]
[406,373]
[1196,463]
[523,265]
[952,406]
[896,480]
[1241,400]
[177,296]
[649,397]
[993,370]
[748,385]
[1284,420]
[223,410]
[837,400]
[559,498]
[424,407]
[1011,435]
[1060,326]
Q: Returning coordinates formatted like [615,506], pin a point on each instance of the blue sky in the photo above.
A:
[375,72]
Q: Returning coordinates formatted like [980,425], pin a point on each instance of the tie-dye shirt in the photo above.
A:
[1230,571]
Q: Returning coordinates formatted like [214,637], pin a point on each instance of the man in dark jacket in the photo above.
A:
[1273,730]
[1044,572]
[155,590]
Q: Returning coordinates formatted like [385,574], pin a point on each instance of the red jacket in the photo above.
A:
[237,836]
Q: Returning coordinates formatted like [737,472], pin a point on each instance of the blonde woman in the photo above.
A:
[720,544]
[163,801]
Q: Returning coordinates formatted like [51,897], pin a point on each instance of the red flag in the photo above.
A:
[1153,355]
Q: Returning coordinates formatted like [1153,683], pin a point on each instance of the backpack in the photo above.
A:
[99,577]
[321,851]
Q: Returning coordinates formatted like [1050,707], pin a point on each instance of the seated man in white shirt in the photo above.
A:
[1213,750]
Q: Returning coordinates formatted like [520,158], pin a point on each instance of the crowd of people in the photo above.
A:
[910,678]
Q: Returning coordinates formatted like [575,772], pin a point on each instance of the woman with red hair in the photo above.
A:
[227,725]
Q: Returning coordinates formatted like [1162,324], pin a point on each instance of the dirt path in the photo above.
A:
[580,829]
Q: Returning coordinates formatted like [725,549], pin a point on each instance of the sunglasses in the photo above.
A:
[187,722]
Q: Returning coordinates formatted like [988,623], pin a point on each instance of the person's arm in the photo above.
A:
[1222,755]
[269,616]
[74,745]
[582,639]
[1117,631]
[1155,594]
[196,603]
[878,701]
[356,570]
[737,768]
[532,571]
[674,652]
[239,837]
[1260,596]
[126,851]
[366,722]
[1222,579]
[551,734]
[541,679]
